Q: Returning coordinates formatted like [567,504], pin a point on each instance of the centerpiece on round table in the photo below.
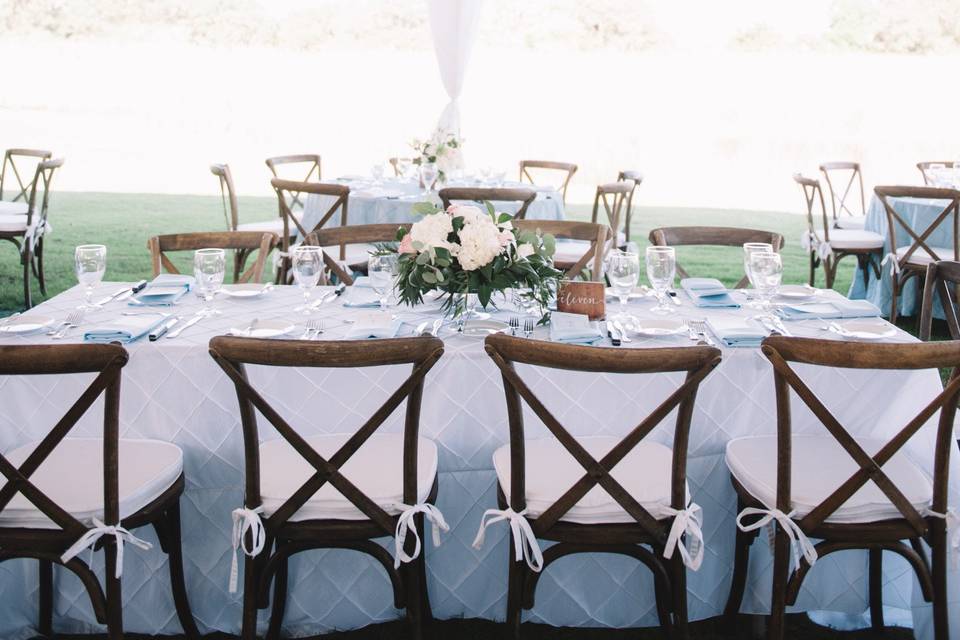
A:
[468,253]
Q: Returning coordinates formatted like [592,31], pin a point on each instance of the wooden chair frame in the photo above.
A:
[312,160]
[620,538]
[341,195]
[9,160]
[48,545]
[597,234]
[522,195]
[284,538]
[549,165]
[243,242]
[351,234]
[875,537]
[904,269]
[713,236]
[395,163]
[943,280]
[228,193]
[924,166]
[838,201]
[613,196]
[637,179]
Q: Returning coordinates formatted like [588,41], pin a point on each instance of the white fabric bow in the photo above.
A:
[405,523]
[824,250]
[953,532]
[686,521]
[797,537]
[33,234]
[894,263]
[808,240]
[89,540]
[525,545]
[244,521]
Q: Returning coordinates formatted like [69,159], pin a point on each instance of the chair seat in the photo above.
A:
[376,469]
[850,222]
[551,470]
[72,476]
[855,239]
[922,257]
[570,251]
[10,223]
[13,208]
[356,254]
[819,466]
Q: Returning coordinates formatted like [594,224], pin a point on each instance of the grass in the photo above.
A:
[124,222]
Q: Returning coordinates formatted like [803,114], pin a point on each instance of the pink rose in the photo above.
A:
[406,244]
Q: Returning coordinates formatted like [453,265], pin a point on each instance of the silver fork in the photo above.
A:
[700,327]
[514,325]
[528,327]
[315,327]
[72,322]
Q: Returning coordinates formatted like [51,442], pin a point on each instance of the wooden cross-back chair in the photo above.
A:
[332,238]
[242,242]
[26,230]
[228,194]
[823,514]
[942,281]
[614,196]
[297,523]
[10,172]
[843,216]
[636,525]
[311,161]
[293,225]
[574,257]
[911,260]
[395,163]
[568,168]
[637,179]
[713,236]
[924,167]
[41,471]
[522,195]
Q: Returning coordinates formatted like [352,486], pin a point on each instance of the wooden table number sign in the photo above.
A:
[588,298]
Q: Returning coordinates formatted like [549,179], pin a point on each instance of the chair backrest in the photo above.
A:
[782,351]
[233,354]
[713,236]
[395,163]
[305,162]
[613,196]
[696,362]
[104,360]
[943,281]
[42,180]
[896,222]
[840,171]
[10,159]
[228,194]
[637,178]
[543,166]
[924,167]
[351,234]
[259,241]
[597,234]
[522,195]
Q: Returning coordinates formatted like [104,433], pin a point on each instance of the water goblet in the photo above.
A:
[377,172]
[382,270]
[767,270]
[428,175]
[623,270]
[661,270]
[307,265]
[209,268]
[90,263]
[749,248]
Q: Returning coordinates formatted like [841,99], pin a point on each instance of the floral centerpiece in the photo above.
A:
[465,251]
[443,149]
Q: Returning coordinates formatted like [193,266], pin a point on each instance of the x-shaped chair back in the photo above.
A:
[228,194]
[613,196]
[541,166]
[782,351]
[10,159]
[395,163]
[522,195]
[838,200]
[924,167]
[233,354]
[597,234]
[636,177]
[818,224]
[352,234]
[42,179]
[311,161]
[285,190]
[943,280]
[104,360]
[697,362]
[712,236]
[919,240]
[248,241]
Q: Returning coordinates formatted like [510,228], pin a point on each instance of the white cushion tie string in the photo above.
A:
[89,540]
[797,537]
[405,523]
[953,532]
[246,521]
[824,250]
[525,545]
[33,234]
[808,240]
[894,263]
[686,522]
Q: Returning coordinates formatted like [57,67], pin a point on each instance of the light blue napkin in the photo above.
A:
[708,292]
[374,325]
[830,309]
[737,332]
[573,328]
[362,281]
[361,295]
[125,329]
[165,290]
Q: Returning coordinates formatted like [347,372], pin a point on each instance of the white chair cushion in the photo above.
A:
[551,470]
[570,250]
[921,257]
[820,465]
[13,208]
[356,253]
[376,469]
[72,476]
[850,222]
[855,239]
[13,223]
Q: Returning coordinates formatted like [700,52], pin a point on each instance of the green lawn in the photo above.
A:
[125,221]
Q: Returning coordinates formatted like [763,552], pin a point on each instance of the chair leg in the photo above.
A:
[778,597]
[829,269]
[45,619]
[679,583]
[39,265]
[114,593]
[813,270]
[866,261]
[27,258]
[876,590]
[894,295]
[426,611]
[177,582]
[741,562]
[414,585]
[664,601]
[938,548]
[514,592]
[248,627]
[279,603]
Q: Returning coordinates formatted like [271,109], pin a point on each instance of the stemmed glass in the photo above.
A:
[767,270]
[382,270]
[377,172]
[307,267]
[748,249]
[209,267]
[90,262]
[623,270]
[428,175]
[661,270]
[404,165]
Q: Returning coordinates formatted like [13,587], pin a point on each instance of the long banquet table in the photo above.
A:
[173,391]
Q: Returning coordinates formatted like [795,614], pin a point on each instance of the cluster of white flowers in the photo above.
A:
[433,230]
[481,240]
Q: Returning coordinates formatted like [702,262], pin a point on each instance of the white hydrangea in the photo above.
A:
[525,250]
[480,239]
[433,230]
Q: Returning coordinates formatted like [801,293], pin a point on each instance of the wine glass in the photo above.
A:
[749,248]
[623,270]
[377,172]
[767,270]
[428,175]
[661,270]
[404,164]
[209,267]
[90,263]
[307,267]
[382,270]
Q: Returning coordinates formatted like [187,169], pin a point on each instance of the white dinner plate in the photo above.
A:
[482,328]
[864,329]
[796,292]
[659,326]
[25,324]
[264,329]
[246,290]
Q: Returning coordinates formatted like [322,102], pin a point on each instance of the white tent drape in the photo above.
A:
[454,26]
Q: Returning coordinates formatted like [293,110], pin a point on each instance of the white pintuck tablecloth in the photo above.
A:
[173,391]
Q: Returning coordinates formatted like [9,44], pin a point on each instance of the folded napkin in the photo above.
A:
[362,281]
[125,329]
[374,325]
[737,332]
[361,294]
[830,309]
[573,328]
[708,292]
[165,290]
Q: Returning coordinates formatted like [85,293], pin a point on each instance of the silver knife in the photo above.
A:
[163,328]
[622,331]
[186,325]
[111,297]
